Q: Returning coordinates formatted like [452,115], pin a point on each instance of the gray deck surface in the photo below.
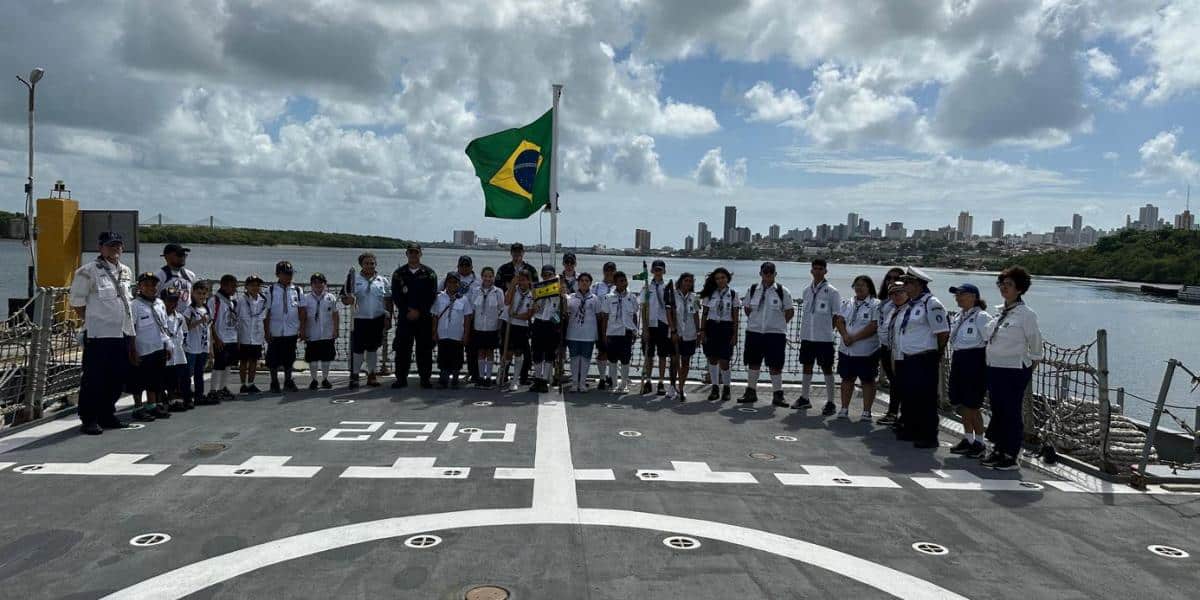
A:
[67,535]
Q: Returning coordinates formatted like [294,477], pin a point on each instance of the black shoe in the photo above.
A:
[176,406]
[608,383]
[886,419]
[1006,463]
[748,397]
[726,393]
[245,389]
[603,384]
[962,447]
[662,390]
[646,388]
[143,415]
[802,403]
[161,412]
[828,410]
[274,387]
[426,384]
[289,385]
[312,385]
[325,385]
[188,404]
[682,397]
[254,389]
[225,394]
[91,429]
[925,444]
[777,399]
[400,383]
[113,423]
[714,393]
[977,450]
[992,459]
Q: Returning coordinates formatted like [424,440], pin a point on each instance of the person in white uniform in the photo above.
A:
[619,322]
[320,332]
[685,329]
[285,317]
[968,366]
[583,330]
[488,301]
[769,309]
[719,329]
[252,309]
[451,329]
[601,289]
[857,323]
[371,296]
[821,302]
[1014,347]
[920,339]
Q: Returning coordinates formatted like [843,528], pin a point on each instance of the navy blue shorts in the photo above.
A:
[659,343]
[226,357]
[817,352]
[250,351]
[485,340]
[687,349]
[765,347]
[319,350]
[151,374]
[620,348]
[718,340]
[862,368]
[968,377]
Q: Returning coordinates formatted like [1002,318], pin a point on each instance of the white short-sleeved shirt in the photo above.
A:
[722,304]
[177,332]
[225,316]
[486,306]
[451,315]
[767,308]
[181,280]
[1014,339]
[887,308]
[622,311]
[468,285]
[968,329]
[284,309]
[105,291]
[546,309]
[602,288]
[370,294]
[918,324]
[821,302]
[521,303]
[252,314]
[196,339]
[686,310]
[656,295]
[150,325]
[581,317]
[858,315]
[319,310]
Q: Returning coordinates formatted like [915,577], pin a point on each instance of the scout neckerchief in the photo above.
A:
[320,298]
[1003,317]
[116,281]
[722,293]
[203,330]
[963,318]
[162,327]
[857,305]
[287,294]
[449,305]
[255,315]
[583,304]
[621,306]
[231,317]
[519,301]
[911,305]
[816,289]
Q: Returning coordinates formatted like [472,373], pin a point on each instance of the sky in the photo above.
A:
[352,116]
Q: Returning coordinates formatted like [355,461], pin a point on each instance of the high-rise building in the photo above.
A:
[1148,217]
[823,232]
[1077,222]
[729,231]
[966,225]
[998,228]
[641,240]
[464,237]
[773,233]
[864,227]
[741,235]
[852,223]
[689,243]
[703,237]
[840,232]
[895,231]
[1185,221]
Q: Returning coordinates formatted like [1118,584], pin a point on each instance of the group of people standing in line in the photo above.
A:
[156,344]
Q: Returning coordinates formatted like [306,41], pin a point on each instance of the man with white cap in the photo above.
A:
[921,334]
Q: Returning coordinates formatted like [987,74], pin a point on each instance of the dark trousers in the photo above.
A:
[471,352]
[417,333]
[450,357]
[195,365]
[1006,391]
[885,361]
[918,376]
[105,369]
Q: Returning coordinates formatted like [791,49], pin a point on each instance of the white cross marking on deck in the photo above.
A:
[1096,487]
[694,472]
[4,465]
[554,470]
[832,477]
[419,467]
[109,464]
[580,474]
[966,481]
[255,466]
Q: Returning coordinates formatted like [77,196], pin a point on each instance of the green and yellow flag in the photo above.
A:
[514,168]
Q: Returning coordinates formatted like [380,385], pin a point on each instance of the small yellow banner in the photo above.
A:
[546,289]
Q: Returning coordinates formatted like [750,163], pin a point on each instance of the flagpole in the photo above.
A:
[557,93]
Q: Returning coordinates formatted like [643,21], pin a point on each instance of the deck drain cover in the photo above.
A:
[469,430]
[842,480]
[243,471]
[930,548]
[451,472]
[614,406]
[149,539]
[28,468]
[786,438]
[487,592]
[1168,551]
[421,542]
[342,401]
[747,409]
[209,448]
[302,429]
[483,403]
[678,542]
[763,455]
[648,475]
[133,426]
[630,433]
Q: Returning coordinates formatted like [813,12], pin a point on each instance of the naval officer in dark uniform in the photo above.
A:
[414,289]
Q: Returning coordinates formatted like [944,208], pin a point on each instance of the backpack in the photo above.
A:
[778,290]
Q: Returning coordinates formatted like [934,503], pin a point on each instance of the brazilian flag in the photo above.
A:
[514,168]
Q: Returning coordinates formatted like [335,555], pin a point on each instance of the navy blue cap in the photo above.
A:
[767,267]
[465,260]
[547,269]
[111,237]
[965,288]
[174,248]
[658,263]
[569,258]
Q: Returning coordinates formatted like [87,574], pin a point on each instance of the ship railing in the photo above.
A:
[41,360]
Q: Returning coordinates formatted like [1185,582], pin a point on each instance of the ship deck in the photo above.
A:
[428,493]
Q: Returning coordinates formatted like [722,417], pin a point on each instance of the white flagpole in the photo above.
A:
[557,92]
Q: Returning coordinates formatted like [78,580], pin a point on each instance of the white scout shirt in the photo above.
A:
[251,313]
[150,323]
[581,317]
[887,309]
[858,315]
[602,288]
[722,304]
[1014,340]
[622,311]
[821,302]
[486,306]
[283,311]
[196,339]
[181,280]
[225,316]
[656,295]
[105,292]
[319,310]
[370,294]
[522,302]
[766,307]
[468,285]
[452,316]
[685,315]
[547,309]
[917,326]
[177,332]
[969,329]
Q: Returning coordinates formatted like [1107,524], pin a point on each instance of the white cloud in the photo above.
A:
[713,171]
[851,108]
[785,106]
[1169,42]
[1101,65]
[1161,162]
[637,162]
[1111,156]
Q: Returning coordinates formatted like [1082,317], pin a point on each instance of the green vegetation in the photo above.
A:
[1164,256]
[238,236]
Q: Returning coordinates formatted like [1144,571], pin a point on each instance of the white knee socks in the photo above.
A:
[219,376]
[325,366]
[726,378]
[517,363]
[806,383]
[372,360]
[714,374]
[752,379]
[624,375]
[777,382]
[612,372]
[356,361]
[828,387]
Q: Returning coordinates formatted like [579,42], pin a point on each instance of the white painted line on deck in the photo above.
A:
[255,466]
[5,465]
[967,481]
[109,464]
[832,477]
[420,467]
[554,478]
[580,474]
[694,472]
[19,439]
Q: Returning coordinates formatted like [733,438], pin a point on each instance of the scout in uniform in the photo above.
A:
[223,308]
[176,375]
[583,329]
[544,335]
[886,309]
[451,331]
[769,309]
[857,323]
[321,320]
[175,274]
[252,309]
[196,344]
[719,328]
[685,328]
[285,315]
[919,337]
[485,323]
[968,366]
[658,328]
[101,296]
[518,309]
[414,288]
[1014,347]
[821,304]
[601,289]
[152,349]
[468,285]
[619,322]
[371,296]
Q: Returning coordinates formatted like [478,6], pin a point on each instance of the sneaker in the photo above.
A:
[865,416]
[886,419]
[188,404]
[372,381]
[91,429]
[682,396]
[802,403]
[226,394]
[289,385]
[726,393]
[274,389]
[748,397]
[661,390]
[670,392]
[1006,463]
[647,388]
[844,414]
[608,383]
[962,448]
[623,388]
[603,384]
[312,385]
[400,382]
[325,385]
[254,389]
[714,393]
[977,450]
[992,459]
[143,415]
[514,386]
[828,410]
[777,399]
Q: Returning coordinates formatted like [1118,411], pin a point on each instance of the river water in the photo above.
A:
[1143,332]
